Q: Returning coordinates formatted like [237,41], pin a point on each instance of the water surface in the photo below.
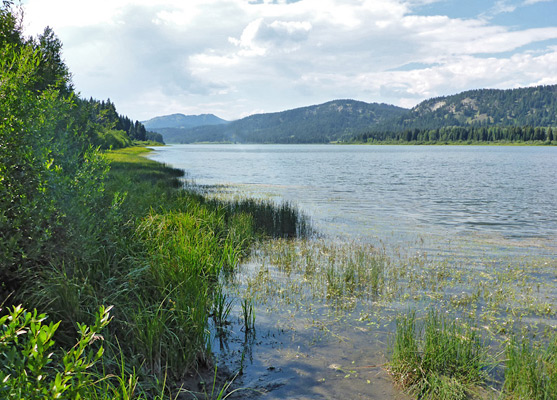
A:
[469,230]
[492,194]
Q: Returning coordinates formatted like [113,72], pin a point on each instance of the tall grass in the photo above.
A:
[155,252]
[274,220]
[438,359]
[531,371]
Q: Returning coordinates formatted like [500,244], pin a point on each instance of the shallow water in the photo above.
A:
[467,230]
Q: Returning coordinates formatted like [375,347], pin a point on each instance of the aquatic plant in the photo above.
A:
[221,310]
[282,220]
[248,315]
[440,359]
[530,369]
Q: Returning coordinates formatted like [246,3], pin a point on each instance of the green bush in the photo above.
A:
[115,139]
[32,370]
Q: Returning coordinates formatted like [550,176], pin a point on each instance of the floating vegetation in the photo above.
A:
[353,291]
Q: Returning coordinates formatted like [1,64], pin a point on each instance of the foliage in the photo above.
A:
[31,370]
[43,163]
[113,139]
[100,121]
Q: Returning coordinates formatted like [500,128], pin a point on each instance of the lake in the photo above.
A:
[502,196]
[467,231]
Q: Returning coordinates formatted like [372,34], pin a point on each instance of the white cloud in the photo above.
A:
[237,56]
[530,2]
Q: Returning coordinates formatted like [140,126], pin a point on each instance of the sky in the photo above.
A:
[234,58]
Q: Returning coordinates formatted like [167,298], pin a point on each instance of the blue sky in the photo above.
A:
[239,57]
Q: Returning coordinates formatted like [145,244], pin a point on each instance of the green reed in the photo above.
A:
[531,369]
[282,220]
[155,254]
[248,315]
[438,359]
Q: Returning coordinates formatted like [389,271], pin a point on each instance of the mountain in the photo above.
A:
[182,121]
[351,120]
[321,123]
[531,106]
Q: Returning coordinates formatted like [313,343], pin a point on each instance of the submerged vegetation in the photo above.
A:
[457,342]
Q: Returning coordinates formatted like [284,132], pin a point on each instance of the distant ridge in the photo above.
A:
[530,106]
[320,123]
[346,120]
[182,121]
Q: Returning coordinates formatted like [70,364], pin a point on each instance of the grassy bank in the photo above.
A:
[153,252]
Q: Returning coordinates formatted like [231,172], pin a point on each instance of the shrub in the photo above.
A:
[31,370]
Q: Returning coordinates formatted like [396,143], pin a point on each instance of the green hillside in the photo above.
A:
[531,106]
[356,121]
[525,115]
[322,123]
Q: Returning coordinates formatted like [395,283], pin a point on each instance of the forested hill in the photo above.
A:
[323,123]
[182,121]
[531,106]
[350,120]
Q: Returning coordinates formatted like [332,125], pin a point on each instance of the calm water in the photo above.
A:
[480,205]
[505,196]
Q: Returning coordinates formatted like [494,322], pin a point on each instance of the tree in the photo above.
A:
[50,178]
[52,70]
[10,25]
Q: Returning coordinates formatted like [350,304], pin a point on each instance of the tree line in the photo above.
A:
[460,134]
[108,129]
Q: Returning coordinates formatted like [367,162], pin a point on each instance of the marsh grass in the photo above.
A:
[157,253]
[283,220]
[438,359]
[248,315]
[222,306]
[531,369]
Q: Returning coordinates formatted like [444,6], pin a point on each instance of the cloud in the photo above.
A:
[530,2]
[237,56]
[504,6]
[259,36]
